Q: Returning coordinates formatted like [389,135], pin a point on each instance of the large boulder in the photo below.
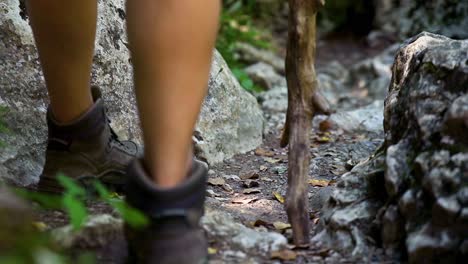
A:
[230,122]
[412,195]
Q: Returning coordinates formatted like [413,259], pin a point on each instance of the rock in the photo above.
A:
[429,244]
[264,75]
[407,18]
[97,232]
[332,81]
[414,186]
[251,54]
[275,100]
[369,118]
[230,122]
[374,74]
[221,226]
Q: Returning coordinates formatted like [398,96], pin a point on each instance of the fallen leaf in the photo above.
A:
[315,220]
[278,197]
[243,200]
[250,183]
[319,183]
[322,252]
[281,225]
[251,190]
[260,222]
[40,226]
[325,125]
[285,254]
[263,168]
[227,188]
[271,160]
[249,175]
[218,181]
[212,251]
[264,152]
[324,139]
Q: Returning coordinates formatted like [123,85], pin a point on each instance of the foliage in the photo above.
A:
[73,201]
[237,26]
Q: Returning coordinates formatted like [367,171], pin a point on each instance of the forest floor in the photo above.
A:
[251,187]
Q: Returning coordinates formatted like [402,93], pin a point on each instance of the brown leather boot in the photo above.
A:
[174,235]
[86,149]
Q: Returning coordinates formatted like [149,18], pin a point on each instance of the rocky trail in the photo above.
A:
[246,221]
[388,180]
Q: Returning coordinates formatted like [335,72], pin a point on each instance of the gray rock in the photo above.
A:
[374,74]
[429,243]
[368,118]
[412,190]
[97,232]
[393,229]
[231,121]
[264,75]
[251,54]
[275,100]
[407,18]
[222,226]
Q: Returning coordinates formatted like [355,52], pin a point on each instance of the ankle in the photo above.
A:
[169,174]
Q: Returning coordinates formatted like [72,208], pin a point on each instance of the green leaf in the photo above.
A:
[75,209]
[71,187]
[47,201]
[130,215]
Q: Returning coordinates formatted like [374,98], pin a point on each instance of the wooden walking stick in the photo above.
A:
[304,101]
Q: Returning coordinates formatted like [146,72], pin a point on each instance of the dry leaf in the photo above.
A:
[251,190]
[263,168]
[212,251]
[250,183]
[319,183]
[264,152]
[278,197]
[271,160]
[40,226]
[249,175]
[218,181]
[325,125]
[281,225]
[227,188]
[260,222]
[285,254]
[243,200]
[324,139]
[315,220]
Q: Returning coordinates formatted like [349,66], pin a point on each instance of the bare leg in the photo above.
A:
[64,32]
[171,43]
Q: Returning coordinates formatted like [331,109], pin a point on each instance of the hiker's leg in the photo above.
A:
[171,43]
[64,32]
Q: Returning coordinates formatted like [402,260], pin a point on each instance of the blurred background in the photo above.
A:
[348,30]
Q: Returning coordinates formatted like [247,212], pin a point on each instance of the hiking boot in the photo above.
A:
[85,150]
[174,234]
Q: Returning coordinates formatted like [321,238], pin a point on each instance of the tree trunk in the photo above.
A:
[304,101]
